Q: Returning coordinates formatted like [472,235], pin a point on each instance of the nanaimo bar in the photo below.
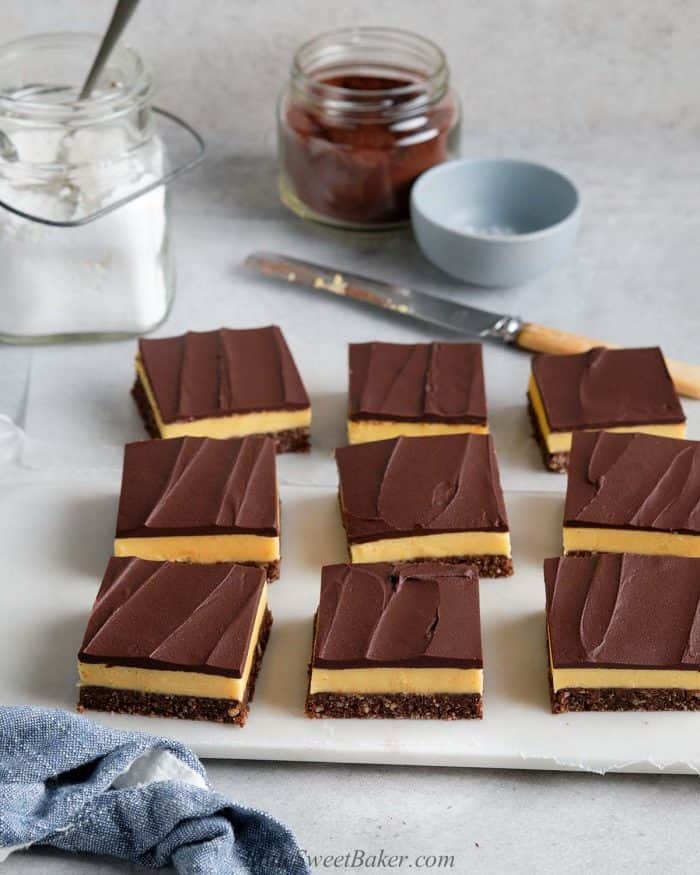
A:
[200,500]
[222,384]
[399,641]
[622,632]
[415,390]
[633,493]
[172,640]
[622,390]
[436,498]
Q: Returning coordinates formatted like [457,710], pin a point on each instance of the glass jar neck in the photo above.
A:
[41,78]
[370,72]
[62,158]
[40,82]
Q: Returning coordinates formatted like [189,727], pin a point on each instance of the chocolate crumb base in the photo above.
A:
[400,706]
[557,462]
[486,564]
[291,440]
[622,699]
[182,707]
[138,393]
[272,569]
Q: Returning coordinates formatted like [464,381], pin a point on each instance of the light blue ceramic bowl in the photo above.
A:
[494,221]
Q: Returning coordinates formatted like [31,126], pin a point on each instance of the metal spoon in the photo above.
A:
[123,11]
[120,18]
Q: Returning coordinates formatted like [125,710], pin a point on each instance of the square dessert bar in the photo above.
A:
[614,389]
[223,384]
[623,633]
[415,390]
[172,640]
[397,641]
[200,500]
[633,493]
[425,498]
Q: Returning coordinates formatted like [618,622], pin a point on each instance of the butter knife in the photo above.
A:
[445,313]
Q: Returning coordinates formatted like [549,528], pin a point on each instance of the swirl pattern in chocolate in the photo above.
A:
[623,611]
[407,486]
[199,486]
[421,382]
[402,615]
[603,388]
[176,616]
[221,373]
[634,481]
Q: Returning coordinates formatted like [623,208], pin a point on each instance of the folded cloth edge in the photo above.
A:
[74,784]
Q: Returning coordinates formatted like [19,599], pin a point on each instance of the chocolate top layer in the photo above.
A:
[220,373]
[408,486]
[199,486]
[420,382]
[623,611]
[175,616]
[633,481]
[403,616]
[602,388]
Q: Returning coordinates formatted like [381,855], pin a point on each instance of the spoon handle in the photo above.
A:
[120,18]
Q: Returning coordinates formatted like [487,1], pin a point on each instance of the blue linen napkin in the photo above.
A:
[68,782]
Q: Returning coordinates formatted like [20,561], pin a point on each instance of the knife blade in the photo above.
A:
[402,300]
[445,313]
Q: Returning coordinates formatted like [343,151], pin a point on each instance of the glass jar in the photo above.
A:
[65,273]
[367,110]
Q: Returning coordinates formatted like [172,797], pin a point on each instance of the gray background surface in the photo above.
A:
[606,90]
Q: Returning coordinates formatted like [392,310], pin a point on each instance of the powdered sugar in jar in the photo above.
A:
[65,274]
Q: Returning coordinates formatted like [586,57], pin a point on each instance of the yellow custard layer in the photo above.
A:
[624,678]
[560,441]
[237,425]
[174,683]
[365,430]
[201,548]
[606,540]
[397,680]
[432,546]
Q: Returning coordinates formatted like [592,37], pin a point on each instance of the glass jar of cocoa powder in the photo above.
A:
[367,110]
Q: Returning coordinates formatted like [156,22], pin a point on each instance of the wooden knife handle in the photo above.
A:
[540,338]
